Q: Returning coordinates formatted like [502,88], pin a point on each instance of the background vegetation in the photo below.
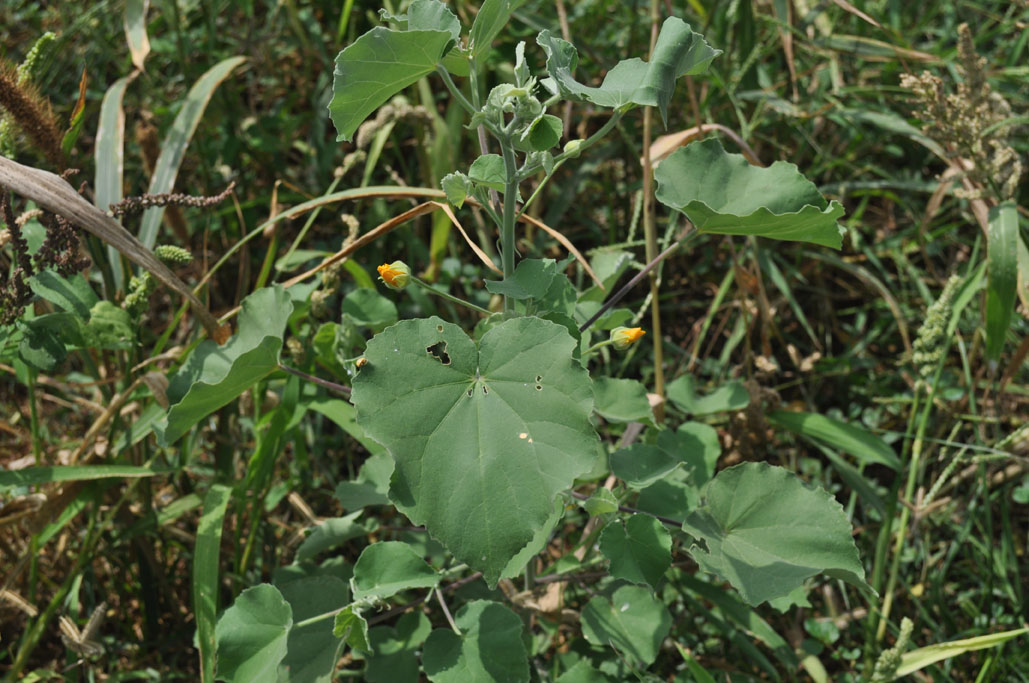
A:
[816,84]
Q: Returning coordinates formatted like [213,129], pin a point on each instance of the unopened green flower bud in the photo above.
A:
[396,275]
[624,337]
[572,148]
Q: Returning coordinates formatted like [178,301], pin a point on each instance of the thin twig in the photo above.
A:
[339,388]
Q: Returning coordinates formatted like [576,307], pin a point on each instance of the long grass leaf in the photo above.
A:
[205,575]
[44,475]
[109,155]
[177,140]
[1001,276]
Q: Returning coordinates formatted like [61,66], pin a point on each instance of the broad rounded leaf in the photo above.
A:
[640,551]
[377,66]
[766,531]
[622,400]
[368,308]
[721,193]
[490,647]
[312,649]
[251,636]
[215,375]
[388,567]
[483,438]
[489,170]
[633,621]
[393,658]
[678,52]
[531,280]
[730,396]
[352,628]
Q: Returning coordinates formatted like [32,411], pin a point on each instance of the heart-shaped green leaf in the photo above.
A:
[766,531]
[377,66]
[251,635]
[483,438]
[633,621]
[215,375]
[721,193]
[388,567]
[490,647]
[678,52]
[640,551]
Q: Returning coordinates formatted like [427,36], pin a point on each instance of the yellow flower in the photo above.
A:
[396,275]
[624,337]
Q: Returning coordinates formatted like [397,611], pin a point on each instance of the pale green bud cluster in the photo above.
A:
[143,285]
[889,660]
[928,347]
[172,255]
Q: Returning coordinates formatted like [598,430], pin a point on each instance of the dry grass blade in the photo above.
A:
[847,7]
[445,208]
[55,195]
[567,245]
[666,144]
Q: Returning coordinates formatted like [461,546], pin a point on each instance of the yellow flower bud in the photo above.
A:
[624,337]
[396,275]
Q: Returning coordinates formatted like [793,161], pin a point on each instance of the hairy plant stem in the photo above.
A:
[448,296]
[650,234]
[507,229]
[455,91]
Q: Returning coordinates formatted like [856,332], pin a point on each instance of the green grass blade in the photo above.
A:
[43,475]
[916,660]
[205,575]
[109,154]
[1002,276]
[848,437]
[135,31]
[177,139]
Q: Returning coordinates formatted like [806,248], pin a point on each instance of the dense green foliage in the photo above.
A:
[797,449]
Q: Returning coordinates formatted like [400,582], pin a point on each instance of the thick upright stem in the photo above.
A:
[650,232]
[507,230]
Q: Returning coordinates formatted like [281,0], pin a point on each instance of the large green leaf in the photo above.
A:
[721,193]
[678,52]
[73,294]
[633,622]
[252,635]
[312,649]
[640,551]
[388,567]
[766,532]
[730,396]
[394,658]
[622,400]
[483,438]
[1002,276]
[377,66]
[491,18]
[490,647]
[215,375]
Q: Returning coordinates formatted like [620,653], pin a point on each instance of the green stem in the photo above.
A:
[448,296]
[583,146]
[455,91]
[537,191]
[507,229]
[37,441]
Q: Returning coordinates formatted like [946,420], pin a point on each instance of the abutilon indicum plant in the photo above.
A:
[487,437]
